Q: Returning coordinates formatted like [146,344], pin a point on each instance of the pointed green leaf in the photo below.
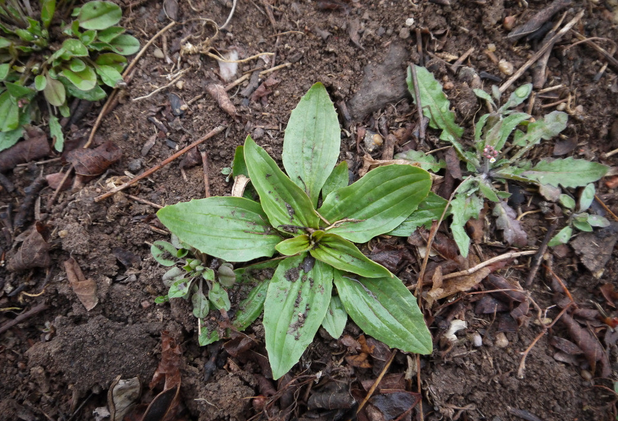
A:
[436,107]
[543,129]
[336,318]
[125,45]
[55,130]
[566,201]
[238,165]
[380,201]
[282,200]
[109,76]
[487,190]
[312,141]
[99,15]
[463,208]
[208,337]
[251,307]
[48,8]
[386,310]
[296,303]
[429,210]
[9,113]
[338,179]
[109,34]
[425,161]
[484,95]
[4,70]
[567,172]
[293,246]
[84,80]
[563,236]
[94,94]
[508,125]
[111,59]
[200,305]
[219,298]
[230,228]
[40,82]
[518,96]
[161,251]
[587,197]
[582,224]
[10,138]
[180,288]
[343,255]
[18,91]
[478,130]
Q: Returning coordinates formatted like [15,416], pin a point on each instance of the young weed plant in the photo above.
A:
[494,159]
[312,218]
[72,60]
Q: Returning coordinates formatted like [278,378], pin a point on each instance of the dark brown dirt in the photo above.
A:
[52,362]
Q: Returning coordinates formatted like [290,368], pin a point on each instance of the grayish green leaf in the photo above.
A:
[200,304]
[230,228]
[293,246]
[581,223]
[251,307]
[219,298]
[336,318]
[161,250]
[429,210]
[296,303]
[125,45]
[282,200]
[567,201]
[99,15]
[487,190]
[563,236]
[386,310]
[598,221]
[426,162]
[567,172]
[380,202]
[338,179]
[587,197]
[312,141]
[463,208]
[207,337]
[55,130]
[40,82]
[180,288]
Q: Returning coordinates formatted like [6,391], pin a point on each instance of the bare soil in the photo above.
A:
[59,363]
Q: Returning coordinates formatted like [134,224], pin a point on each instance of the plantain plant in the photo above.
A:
[311,218]
[61,61]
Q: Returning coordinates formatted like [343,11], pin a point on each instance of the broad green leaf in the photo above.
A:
[238,165]
[563,236]
[18,91]
[125,45]
[226,275]
[582,224]
[109,34]
[297,301]
[379,202]
[180,288]
[286,205]
[95,94]
[429,210]
[76,65]
[219,298]
[598,221]
[88,37]
[587,197]
[173,275]
[117,61]
[343,255]
[109,76]
[436,107]
[251,307]
[230,228]
[425,161]
[84,80]
[336,318]
[9,113]
[506,128]
[4,70]
[338,179]
[312,141]
[161,250]
[463,208]
[207,337]
[48,8]
[568,172]
[55,130]
[200,304]
[40,82]
[24,35]
[567,201]
[75,47]
[386,310]
[10,138]
[99,15]
[293,246]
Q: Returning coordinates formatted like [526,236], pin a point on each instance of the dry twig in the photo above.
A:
[505,256]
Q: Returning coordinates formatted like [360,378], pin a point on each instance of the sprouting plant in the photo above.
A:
[578,217]
[501,140]
[71,60]
[312,218]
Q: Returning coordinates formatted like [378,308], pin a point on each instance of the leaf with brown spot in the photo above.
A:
[506,220]
[93,162]
[85,289]
[34,147]
[34,250]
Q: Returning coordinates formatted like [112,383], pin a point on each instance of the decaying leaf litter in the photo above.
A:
[460,380]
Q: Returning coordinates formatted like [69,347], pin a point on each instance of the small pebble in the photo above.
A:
[448,86]
[158,53]
[409,21]
[508,22]
[404,33]
[501,341]
[586,375]
[63,233]
[180,84]
[477,340]
[561,106]
[372,141]
[258,132]
[135,165]
[491,47]
[506,67]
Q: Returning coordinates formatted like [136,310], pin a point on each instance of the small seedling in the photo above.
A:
[502,139]
[312,218]
[72,60]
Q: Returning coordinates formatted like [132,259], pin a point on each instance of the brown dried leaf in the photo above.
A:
[490,305]
[93,162]
[506,220]
[85,289]
[223,100]
[54,180]
[121,397]
[171,9]
[265,89]
[462,283]
[565,345]
[191,159]
[169,366]
[162,406]
[239,345]
[589,344]
[610,294]
[34,251]
[34,147]
[452,164]
[393,405]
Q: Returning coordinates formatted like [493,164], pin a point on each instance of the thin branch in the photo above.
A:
[146,173]
[24,316]
[376,382]
[505,256]
[229,18]
[536,260]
